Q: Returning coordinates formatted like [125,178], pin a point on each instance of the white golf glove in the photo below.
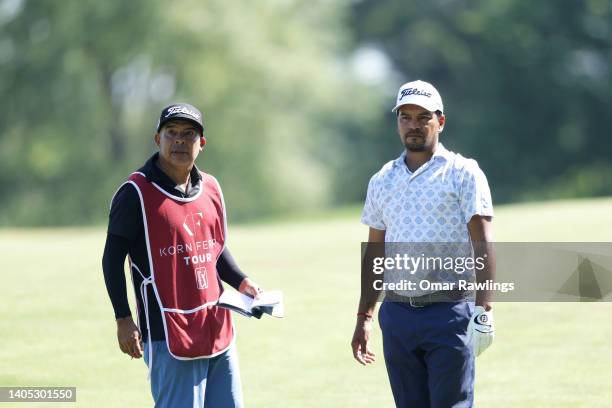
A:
[481,330]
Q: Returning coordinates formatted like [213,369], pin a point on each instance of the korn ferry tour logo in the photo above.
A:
[194,248]
[192,252]
[192,223]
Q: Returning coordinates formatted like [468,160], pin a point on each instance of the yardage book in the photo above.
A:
[269,302]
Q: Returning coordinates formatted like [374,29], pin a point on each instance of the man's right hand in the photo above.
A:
[361,336]
[129,337]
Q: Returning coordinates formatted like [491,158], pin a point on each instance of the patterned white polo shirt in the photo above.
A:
[432,204]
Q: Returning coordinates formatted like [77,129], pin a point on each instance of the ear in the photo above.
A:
[202,142]
[442,122]
[156,138]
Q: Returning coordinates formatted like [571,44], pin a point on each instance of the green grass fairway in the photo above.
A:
[57,325]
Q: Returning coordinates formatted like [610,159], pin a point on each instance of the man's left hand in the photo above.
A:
[481,330]
[249,288]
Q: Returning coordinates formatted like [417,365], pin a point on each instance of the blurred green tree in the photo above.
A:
[84,81]
[526,84]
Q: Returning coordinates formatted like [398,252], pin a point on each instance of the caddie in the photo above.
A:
[427,195]
[169,219]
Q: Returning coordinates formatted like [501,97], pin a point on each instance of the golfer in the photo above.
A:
[427,195]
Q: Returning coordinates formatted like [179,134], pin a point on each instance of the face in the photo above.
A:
[179,143]
[418,128]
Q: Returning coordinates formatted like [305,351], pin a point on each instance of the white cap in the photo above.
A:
[419,93]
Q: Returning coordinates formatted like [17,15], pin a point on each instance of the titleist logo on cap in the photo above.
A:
[173,110]
[414,91]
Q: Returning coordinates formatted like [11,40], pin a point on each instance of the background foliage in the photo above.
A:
[296,96]
[526,84]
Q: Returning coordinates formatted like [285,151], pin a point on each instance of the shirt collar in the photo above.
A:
[441,153]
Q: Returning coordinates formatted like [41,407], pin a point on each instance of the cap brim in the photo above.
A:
[422,103]
[180,116]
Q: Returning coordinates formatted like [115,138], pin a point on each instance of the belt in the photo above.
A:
[431,298]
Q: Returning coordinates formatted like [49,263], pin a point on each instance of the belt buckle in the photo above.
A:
[415,304]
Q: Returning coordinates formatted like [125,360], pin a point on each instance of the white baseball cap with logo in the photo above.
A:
[419,93]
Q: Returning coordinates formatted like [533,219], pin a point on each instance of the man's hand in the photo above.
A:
[481,330]
[129,337]
[249,288]
[361,336]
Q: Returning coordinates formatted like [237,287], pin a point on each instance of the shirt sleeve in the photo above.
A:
[115,251]
[124,226]
[228,269]
[372,212]
[475,196]
[125,217]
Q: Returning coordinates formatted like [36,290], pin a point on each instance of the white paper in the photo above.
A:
[243,303]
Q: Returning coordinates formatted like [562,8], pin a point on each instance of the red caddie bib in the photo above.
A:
[185,237]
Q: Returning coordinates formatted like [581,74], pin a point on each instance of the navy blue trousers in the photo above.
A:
[428,360]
